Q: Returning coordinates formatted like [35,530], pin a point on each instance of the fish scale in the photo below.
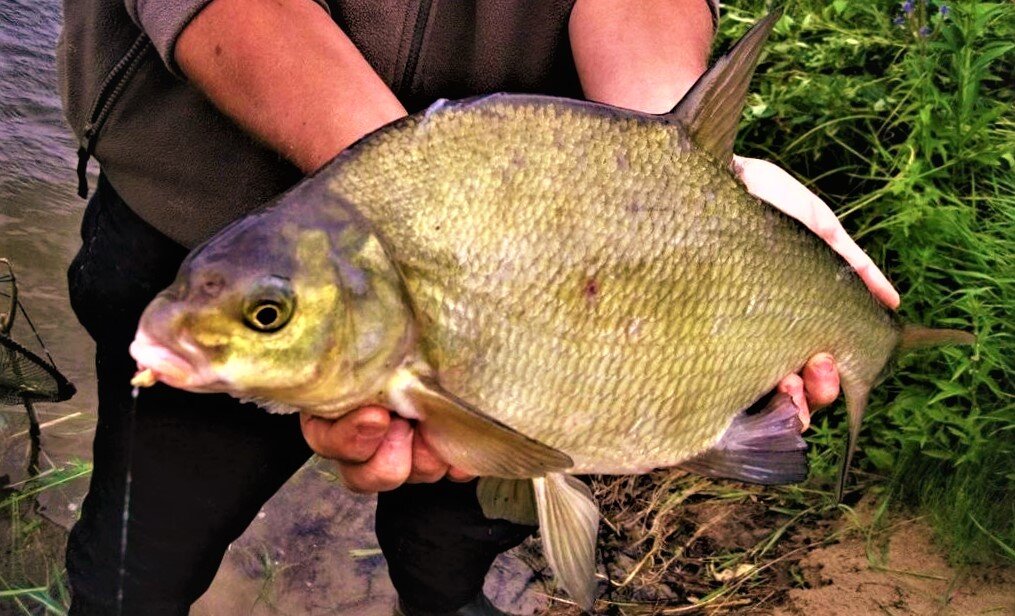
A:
[720,283]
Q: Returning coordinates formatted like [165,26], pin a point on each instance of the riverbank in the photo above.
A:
[726,548]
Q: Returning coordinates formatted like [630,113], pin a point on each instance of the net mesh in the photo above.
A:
[25,375]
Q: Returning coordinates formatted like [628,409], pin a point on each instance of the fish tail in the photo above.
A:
[919,337]
[913,337]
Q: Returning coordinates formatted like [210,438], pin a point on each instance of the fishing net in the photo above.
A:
[25,377]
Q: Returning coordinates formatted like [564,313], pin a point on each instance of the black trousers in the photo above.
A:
[203,465]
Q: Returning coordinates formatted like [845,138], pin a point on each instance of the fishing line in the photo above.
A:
[131,414]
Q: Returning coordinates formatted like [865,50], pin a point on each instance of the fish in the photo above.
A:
[548,287]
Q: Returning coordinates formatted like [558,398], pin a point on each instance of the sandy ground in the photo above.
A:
[908,576]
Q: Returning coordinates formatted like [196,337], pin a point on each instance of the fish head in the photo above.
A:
[291,314]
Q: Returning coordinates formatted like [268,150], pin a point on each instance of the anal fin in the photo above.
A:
[569,525]
[764,448]
[467,438]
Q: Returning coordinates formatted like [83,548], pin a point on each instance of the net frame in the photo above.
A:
[15,388]
[25,377]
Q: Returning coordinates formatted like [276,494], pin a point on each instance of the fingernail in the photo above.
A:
[825,367]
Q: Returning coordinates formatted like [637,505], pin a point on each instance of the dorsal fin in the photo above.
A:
[711,110]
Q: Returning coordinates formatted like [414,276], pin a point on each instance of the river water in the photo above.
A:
[39,219]
[311,550]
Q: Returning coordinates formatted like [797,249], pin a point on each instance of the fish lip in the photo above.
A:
[169,366]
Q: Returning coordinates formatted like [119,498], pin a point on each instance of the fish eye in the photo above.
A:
[267,317]
[269,308]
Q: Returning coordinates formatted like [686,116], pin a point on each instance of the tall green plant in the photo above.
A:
[900,115]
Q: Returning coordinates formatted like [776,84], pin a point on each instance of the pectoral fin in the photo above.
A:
[467,438]
[765,447]
[569,523]
[508,499]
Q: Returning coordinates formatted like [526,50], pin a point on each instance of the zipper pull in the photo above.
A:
[84,153]
[83,157]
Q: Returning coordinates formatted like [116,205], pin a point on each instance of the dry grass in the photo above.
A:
[675,543]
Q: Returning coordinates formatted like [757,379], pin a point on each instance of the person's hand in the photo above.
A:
[376,450]
[770,183]
[815,387]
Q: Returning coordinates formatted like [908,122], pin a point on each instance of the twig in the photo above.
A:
[49,423]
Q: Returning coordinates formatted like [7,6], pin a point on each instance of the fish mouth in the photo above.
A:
[169,366]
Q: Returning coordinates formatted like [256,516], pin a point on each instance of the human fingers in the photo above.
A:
[769,182]
[426,466]
[458,475]
[430,459]
[793,386]
[426,463]
[821,381]
[390,465]
[351,438]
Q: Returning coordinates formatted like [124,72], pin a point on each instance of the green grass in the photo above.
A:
[911,138]
[32,576]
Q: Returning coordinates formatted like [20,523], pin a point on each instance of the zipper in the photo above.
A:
[411,62]
[110,90]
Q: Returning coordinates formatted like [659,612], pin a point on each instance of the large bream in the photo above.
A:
[550,287]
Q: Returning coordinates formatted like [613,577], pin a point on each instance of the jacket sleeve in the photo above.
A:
[164,20]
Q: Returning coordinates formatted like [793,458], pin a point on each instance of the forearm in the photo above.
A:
[287,74]
[644,54]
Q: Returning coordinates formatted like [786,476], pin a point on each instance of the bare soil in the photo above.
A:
[675,544]
[909,576]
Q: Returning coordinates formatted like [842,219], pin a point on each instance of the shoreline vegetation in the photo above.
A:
[900,116]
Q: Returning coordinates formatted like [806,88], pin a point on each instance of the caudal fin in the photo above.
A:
[919,337]
[913,337]
[856,405]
